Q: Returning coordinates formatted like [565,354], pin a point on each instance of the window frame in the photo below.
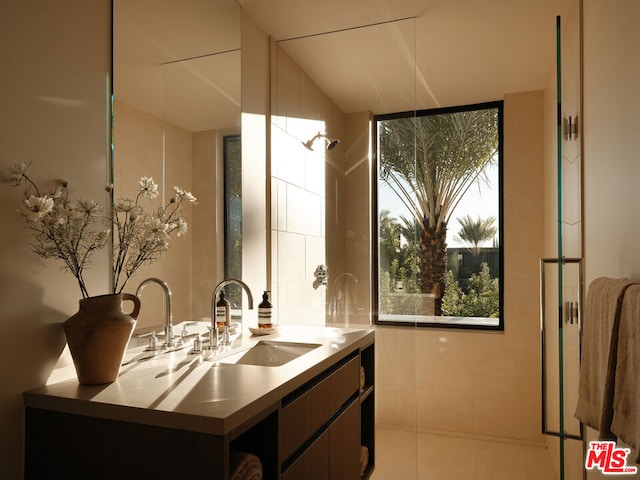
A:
[375,221]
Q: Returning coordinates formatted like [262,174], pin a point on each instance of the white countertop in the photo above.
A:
[195,392]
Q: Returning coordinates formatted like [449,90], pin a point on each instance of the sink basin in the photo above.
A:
[268,353]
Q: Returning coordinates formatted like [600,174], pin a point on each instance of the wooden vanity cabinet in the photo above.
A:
[313,463]
[334,452]
[324,424]
[64,445]
[367,407]
[344,444]
[312,419]
[315,432]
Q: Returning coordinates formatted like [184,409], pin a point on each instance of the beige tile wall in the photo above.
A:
[139,140]
[356,242]
[443,380]
[207,263]
[611,148]
[481,383]
[306,215]
[319,204]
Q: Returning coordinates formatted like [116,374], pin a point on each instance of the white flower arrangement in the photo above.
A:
[64,229]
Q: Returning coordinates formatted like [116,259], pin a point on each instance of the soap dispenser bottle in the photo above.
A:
[223,311]
[264,311]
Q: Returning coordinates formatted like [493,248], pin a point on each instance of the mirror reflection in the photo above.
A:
[176,105]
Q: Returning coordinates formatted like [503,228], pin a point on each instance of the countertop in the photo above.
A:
[197,392]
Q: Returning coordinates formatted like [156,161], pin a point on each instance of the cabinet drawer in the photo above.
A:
[344,444]
[305,414]
[313,463]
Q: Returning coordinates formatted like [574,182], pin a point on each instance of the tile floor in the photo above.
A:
[403,454]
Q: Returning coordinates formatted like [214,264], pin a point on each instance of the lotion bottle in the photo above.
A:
[264,312]
[223,311]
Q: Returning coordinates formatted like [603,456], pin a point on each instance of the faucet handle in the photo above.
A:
[197,345]
[153,342]
[213,337]
[185,330]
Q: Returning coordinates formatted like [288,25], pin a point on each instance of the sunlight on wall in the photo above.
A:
[298,219]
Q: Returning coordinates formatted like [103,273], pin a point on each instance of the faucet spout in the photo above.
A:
[223,284]
[168,326]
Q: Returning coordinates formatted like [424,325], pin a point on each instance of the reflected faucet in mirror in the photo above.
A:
[168,320]
[321,275]
[219,288]
[342,292]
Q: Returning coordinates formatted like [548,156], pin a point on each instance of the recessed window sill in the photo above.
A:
[434,321]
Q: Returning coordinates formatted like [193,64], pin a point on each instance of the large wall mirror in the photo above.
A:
[177,108]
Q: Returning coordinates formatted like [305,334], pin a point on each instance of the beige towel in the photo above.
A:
[599,352]
[626,397]
[364,459]
[245,466]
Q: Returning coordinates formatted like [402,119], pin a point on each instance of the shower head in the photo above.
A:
[331,143]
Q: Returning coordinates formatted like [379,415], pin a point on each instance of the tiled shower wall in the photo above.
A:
[147,146]
[320,204]
[459,381]
[481,383]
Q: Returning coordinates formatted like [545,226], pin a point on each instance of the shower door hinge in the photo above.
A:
[571,312]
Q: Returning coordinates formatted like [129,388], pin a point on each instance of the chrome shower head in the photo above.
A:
[331,143]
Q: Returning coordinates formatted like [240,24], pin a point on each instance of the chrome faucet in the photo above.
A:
[219,287]
[168,325]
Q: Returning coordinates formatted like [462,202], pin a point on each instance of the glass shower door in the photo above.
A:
[321,203]
[561,274]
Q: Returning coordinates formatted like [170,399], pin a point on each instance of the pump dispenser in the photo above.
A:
[223,311]
[264,311]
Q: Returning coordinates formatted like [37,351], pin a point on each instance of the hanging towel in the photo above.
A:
[245,466]
[364,459]
[599,351]
[626,397]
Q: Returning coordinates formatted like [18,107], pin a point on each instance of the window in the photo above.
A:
[233,216]
[438,213]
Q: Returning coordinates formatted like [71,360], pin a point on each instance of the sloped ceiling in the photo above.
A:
[179,61]
[439,53]
[367,55]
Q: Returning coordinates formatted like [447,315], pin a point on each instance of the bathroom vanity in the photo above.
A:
[301,400]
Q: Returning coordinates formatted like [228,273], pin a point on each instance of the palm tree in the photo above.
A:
[430,162]
[398,257]
[474,232]
[389,239]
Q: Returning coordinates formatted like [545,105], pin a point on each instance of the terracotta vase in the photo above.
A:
[98,336]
